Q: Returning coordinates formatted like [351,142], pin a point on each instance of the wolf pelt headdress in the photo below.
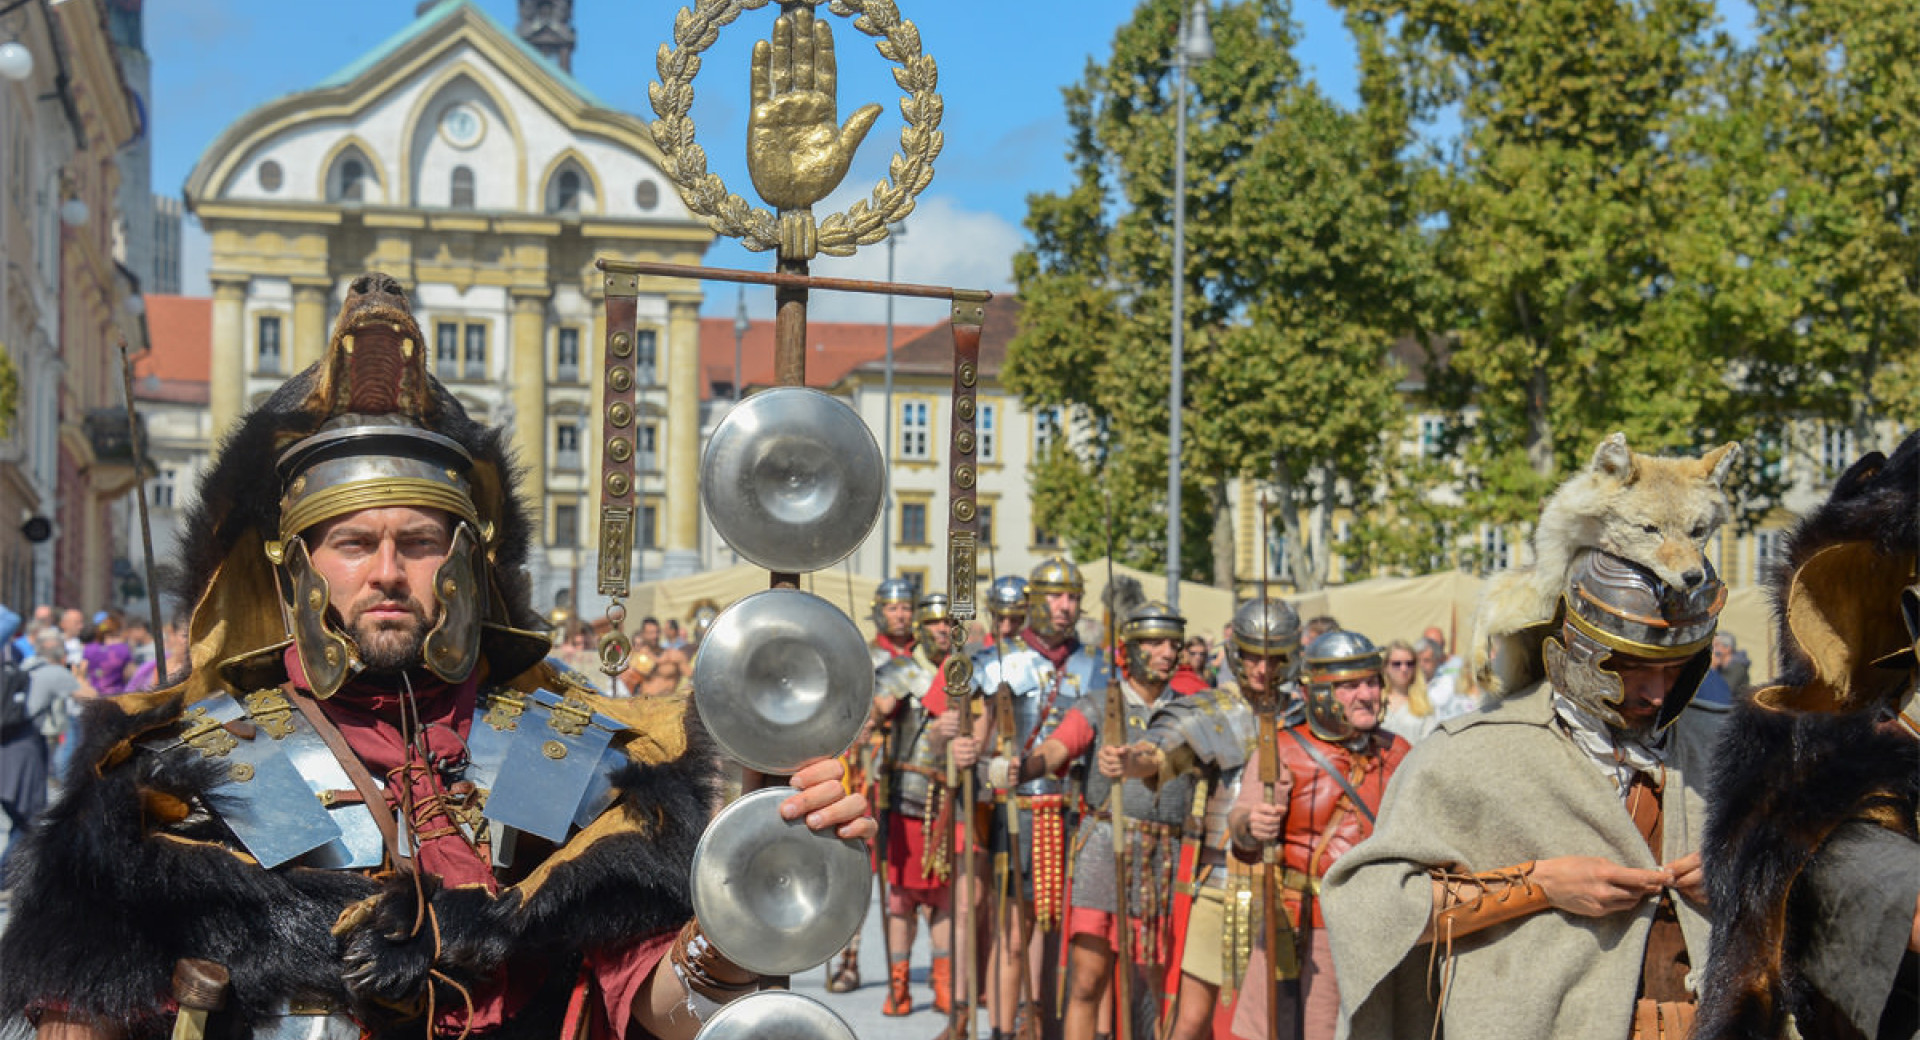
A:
[1819,748]
[1655,511]
[127,873]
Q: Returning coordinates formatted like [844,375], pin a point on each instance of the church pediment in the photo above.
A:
[455,113]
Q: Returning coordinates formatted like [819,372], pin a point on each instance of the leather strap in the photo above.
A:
[1340,778]
[1476,901]
[370,791]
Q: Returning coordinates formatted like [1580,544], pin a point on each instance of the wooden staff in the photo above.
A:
[1269,708]
[1115,735]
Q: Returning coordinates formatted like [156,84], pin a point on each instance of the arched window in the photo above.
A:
[462,196]
[353,178]
[566,195]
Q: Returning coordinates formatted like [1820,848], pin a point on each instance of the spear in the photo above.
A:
[1116,735]
[146,530]
[1268,707]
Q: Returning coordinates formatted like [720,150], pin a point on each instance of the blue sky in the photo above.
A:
[1002,64]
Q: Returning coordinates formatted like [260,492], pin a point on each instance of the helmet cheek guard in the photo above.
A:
[453,647]
[328,656]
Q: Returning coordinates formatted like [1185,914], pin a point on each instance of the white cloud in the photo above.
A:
[945,245]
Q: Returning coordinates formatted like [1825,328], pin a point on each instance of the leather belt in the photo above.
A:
[1299,881]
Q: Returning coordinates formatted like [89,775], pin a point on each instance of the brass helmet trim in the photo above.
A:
[361,462]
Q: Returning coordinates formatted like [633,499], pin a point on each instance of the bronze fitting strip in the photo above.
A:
[618,485]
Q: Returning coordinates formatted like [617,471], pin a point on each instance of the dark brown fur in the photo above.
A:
[1786,781]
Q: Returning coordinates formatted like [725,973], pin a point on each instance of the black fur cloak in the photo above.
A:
[127,873]
[1810,852]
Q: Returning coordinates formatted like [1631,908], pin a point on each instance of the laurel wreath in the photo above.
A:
[865,222]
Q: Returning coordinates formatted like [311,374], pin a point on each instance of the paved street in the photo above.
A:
[861,1008]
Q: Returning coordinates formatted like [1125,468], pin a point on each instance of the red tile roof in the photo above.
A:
[833,350]
[932,350]
[180,329]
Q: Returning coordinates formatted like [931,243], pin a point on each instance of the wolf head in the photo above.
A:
[1657,512]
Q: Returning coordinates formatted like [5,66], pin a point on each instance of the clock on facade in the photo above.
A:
[462,125]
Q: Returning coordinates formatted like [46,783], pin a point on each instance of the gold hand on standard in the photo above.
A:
[796,152]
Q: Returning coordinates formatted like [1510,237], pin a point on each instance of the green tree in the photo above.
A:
[1556,206]
[1303,265]
[1812,265]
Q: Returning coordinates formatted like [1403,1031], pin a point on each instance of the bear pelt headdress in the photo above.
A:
[374,365]
[1817,749]
[127,872]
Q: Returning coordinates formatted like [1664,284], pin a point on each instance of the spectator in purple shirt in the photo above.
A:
[109,658]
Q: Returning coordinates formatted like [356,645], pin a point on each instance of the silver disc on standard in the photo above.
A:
[783,678]
[773,896]
[776,1015]
[792,479]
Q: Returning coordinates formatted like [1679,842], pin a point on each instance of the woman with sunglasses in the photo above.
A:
[1409,713]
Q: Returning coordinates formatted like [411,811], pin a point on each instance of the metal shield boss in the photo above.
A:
[782,679]
[792,479]
[772,895]
[776,1013]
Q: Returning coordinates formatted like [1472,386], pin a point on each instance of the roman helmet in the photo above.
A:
[932,607]
[1332,659]
[700,622]
[891,590]
[1266,628]
[1615,606]
[1007,597]
[1150,620]
[366,427]
[361,462]
[1057,574]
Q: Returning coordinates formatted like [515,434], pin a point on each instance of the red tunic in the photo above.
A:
[1321,822]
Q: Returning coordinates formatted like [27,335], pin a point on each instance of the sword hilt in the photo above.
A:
[200,988]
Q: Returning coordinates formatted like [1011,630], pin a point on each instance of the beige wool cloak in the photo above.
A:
[1496,789]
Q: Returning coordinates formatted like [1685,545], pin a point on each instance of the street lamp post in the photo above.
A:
[895,232]
[1195,45]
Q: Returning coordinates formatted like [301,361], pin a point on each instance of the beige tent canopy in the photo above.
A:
[1383,609]
[677,597]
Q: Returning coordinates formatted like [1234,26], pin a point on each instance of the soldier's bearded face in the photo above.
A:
[1063,609]
[380,565]
[1645,686]
[941,633]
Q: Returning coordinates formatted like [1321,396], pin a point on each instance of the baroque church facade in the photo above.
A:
[463,158]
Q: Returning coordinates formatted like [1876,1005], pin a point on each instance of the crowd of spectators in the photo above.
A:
[67,659]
